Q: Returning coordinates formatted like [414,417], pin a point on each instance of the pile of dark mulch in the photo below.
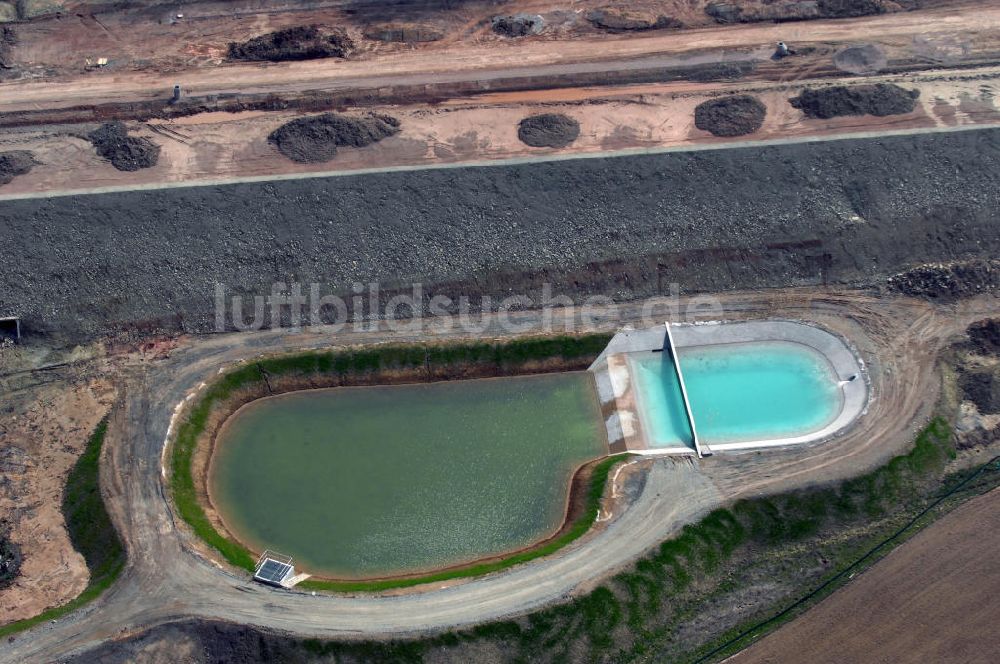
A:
[985,336]
[8,38]
[548,130]
[880,99]
[626,20]
[301,43]
[982,387]
[949,281]
[10,558]
[518,25]
[126,153]
[730,116]
[403,34]
[14,163]
[316,138]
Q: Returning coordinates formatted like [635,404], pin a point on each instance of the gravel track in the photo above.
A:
[165,581]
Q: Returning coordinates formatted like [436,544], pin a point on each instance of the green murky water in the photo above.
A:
[373,481]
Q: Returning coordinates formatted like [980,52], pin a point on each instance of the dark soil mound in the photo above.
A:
[14,163]
[860,59]
[982,387]
[518,25]
[548,130]
[126,153]
[7,39]
[985,336]
[10,560]
[721,71]
[730,116]
[880,99]
[626,20]
[301,43]
[949,281]
[734,11]
[849,8]
[403,34]
[316,138]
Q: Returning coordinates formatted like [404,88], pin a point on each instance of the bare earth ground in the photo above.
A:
[49,415]
[460,128]
[931,600]
[898,338]
[213,146]
[44,430]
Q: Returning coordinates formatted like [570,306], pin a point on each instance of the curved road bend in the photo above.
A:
[164,580]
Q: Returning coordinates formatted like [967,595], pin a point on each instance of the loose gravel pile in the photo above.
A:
[949,280]
[299,43]
[518,25]
[738,115]
[985,336]
[316,139]
[14,163]
[126,153]
[627,227]
[880,99]
[548,130]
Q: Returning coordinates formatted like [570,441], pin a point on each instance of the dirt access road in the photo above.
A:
[975,22]
[167,580]
[931,600]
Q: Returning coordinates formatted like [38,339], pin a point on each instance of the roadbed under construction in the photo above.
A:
[843,211]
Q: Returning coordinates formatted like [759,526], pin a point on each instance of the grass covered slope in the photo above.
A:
[733,576]
[90,529]
[368,366]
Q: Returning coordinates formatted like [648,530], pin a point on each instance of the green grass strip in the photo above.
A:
[90,529]
[500,357]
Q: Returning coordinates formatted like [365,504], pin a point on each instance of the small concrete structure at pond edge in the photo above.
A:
[275,569]
[617,388]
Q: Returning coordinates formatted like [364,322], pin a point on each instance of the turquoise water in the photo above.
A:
[738,392]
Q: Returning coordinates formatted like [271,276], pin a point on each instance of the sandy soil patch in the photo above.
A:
[47,428]
[485,128]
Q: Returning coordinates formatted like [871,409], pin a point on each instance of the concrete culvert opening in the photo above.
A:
[867,59]
[880,99]
[518,25]
[10,328]
[14,163]
[548,130]
[730,116]
[300,43]
[316,139]
[126,153]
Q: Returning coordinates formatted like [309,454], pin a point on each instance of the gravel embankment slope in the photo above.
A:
[840,211]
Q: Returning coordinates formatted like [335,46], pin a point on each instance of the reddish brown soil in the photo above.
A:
[931,600]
